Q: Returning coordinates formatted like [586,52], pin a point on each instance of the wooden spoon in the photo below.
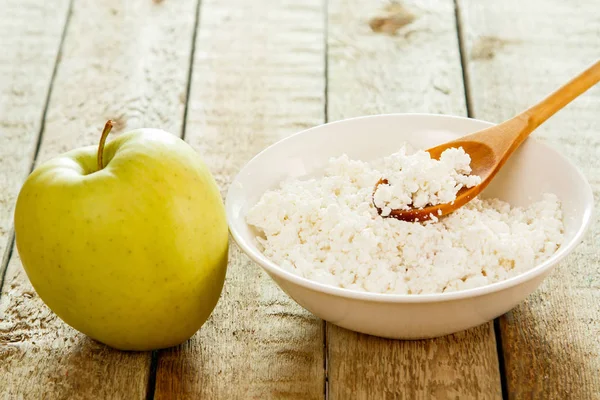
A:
[490,148]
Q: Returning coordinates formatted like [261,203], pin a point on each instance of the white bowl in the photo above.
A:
[534,169]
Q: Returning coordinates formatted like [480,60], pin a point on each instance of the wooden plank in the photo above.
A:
[417,69]
[31,33]
[516,54]
[123,60]
[258,76]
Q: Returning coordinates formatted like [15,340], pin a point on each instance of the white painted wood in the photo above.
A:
[30,34]
[517,53]
[417,69]
[123,60]
[259,75]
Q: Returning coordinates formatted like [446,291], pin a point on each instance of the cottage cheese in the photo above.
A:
[328,230]
[417,181]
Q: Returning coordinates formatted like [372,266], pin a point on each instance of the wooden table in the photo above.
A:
[234,76]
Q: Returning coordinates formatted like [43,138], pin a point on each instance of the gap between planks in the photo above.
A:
[151,389]
[462,49]
[325,120]
[190,69]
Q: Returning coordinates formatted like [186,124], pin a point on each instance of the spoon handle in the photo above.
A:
[508,136]
[539,113]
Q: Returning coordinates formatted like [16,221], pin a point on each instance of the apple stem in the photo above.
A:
[107,127]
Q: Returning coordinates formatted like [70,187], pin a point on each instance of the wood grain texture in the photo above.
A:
[417,69]
[518,52]
[259,75]
[31,34]
[122,60]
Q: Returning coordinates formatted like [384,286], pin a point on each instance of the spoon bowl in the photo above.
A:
[483,166]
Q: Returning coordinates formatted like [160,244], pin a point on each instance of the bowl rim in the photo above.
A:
[272,268]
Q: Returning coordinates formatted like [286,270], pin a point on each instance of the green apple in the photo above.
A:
[126,243]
